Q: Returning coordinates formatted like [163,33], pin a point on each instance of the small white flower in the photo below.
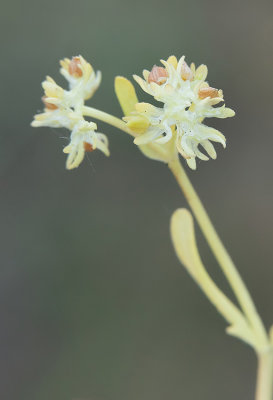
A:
[83,81]
[64,108]
[84,138]
[187,100]
[56,118]
[57,112]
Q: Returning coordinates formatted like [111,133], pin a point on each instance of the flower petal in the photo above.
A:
[151,134]
[208,146]
[191,162]
[75,157]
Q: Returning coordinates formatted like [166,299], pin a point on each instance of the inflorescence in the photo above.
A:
[186,97]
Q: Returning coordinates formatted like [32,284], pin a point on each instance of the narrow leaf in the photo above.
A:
[126,94]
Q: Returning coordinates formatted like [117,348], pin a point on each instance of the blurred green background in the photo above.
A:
[94,304]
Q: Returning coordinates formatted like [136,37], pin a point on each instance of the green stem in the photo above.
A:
[264,349]
[220,253]
[264,390]
[105,117]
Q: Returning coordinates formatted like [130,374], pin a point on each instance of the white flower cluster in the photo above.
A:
[64,108]
[188,99]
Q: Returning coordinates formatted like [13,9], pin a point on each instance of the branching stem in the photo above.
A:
[105,117]
[263,347]
[220,252]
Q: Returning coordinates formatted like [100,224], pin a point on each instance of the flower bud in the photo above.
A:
[158,75]
[74,68]
[208,92]
[186,72]
[49,106]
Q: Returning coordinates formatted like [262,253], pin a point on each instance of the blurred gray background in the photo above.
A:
[94,304]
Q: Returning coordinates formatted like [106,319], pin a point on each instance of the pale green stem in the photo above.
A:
[212,237]
[264,389]
[229,311]
[223,304]
[220,252]
[105,117]
[265,368]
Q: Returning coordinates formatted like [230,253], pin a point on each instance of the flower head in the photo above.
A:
[65,108]
[84,139]
[187,99]
[83,81]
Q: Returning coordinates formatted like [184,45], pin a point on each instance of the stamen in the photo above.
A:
[208,92]
[88,147]
[48,105]
[74,68]
[158,75]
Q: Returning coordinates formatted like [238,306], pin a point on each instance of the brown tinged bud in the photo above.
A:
[186,72]
[88,147]
[49,106]
[208,92]
[73,67]
[158,75]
